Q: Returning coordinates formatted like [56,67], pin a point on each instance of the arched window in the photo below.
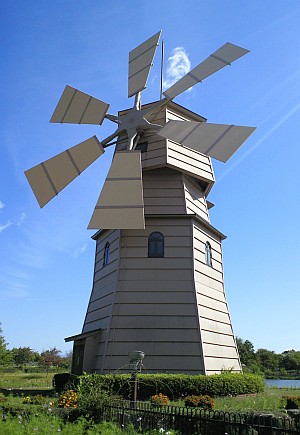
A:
[208,256]
[106,254]
[156,245]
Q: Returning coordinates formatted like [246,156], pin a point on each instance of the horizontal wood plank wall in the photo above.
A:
[163,192]
[195,199]
[104,286]
[219,347]
[189,161]
[155,308]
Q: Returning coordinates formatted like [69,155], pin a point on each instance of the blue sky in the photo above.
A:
[47,256]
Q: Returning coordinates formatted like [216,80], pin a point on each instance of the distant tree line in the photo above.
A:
[23,357]
[285,365]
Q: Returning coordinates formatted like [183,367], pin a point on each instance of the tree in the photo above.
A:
[5,354]
[268,359]
[66,362]
[290,360]
[246,352]
[24,355]
[50,358]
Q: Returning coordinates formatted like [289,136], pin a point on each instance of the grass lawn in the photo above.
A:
[43,418]
[268,401]
[23,380]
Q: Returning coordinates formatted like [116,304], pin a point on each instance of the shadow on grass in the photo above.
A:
[16,392]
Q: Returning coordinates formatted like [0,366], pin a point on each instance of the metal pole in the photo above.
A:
[135,389]
[133,381]
[162,69]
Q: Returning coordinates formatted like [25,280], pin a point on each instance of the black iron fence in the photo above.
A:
[193,421]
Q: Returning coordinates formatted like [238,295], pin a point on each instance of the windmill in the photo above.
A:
[162,128]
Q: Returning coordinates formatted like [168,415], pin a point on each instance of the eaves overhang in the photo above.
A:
[81,336]
[195,216]
[172,106]
[204,222]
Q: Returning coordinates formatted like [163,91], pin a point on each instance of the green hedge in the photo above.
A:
[291,402]
[176,386]
[64,381]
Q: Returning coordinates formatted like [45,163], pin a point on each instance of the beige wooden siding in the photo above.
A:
[163,192]
[156,155]
[104,285]
[173,116]
[214,363]
[189,161]
[219,347]
[155,309]
[173,308]
[195,199]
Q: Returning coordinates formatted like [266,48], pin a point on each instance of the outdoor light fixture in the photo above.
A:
[136,358]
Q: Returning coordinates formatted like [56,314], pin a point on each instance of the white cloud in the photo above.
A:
[7,225]
[80,251]
[18,222]
[21,219]
[2,205]
[178,65]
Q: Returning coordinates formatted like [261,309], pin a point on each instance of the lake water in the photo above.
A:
[283,383]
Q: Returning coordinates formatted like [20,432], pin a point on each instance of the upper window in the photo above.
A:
[208,256]
[156,245]
[106,254]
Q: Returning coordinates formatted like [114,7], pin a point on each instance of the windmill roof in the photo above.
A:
[173,106]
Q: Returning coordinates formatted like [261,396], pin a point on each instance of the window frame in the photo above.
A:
[208,254]
[106,254]
[156,246]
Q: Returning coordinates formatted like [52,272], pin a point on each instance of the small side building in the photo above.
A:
[161,289]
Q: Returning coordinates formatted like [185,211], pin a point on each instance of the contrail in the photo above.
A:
[264,137]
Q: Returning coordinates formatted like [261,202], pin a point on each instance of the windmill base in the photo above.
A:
[172,307]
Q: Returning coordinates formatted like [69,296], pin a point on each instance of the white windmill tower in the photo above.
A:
[158,279]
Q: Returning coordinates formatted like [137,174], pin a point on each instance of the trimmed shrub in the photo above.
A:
[291,402]
[64,381]
[175,386]
[204,402]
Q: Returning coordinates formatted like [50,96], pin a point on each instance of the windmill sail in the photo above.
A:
[220,58]
[120,204]
[50,177]
[140,62]
[76,107]
[220,141]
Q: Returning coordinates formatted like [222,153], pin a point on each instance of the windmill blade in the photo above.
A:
[220,58]
[219,141]
[50,177]
[120,204]
[76,107]
[140,62]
